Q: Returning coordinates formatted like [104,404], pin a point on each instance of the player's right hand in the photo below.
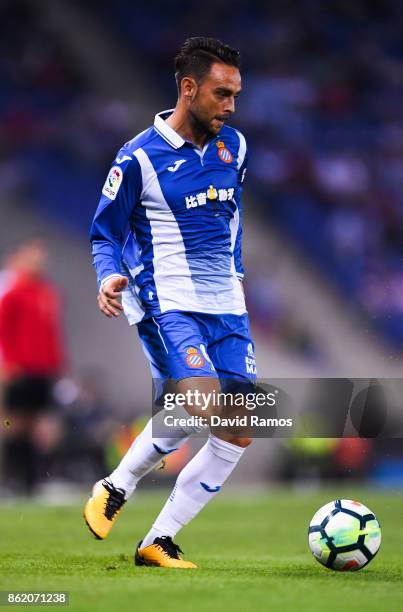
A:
[110,294]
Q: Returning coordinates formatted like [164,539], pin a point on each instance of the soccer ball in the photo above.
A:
[344,535]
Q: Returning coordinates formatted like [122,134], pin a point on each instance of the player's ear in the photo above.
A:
[188,89]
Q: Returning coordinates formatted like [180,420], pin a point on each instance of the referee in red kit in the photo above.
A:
[31,356]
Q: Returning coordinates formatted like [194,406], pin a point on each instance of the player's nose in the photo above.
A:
[229,106]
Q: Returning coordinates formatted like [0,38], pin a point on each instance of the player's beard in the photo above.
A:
[202,125]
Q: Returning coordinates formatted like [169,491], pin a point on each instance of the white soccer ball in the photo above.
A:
[344,535]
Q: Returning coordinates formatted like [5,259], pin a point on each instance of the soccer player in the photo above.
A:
[177,274]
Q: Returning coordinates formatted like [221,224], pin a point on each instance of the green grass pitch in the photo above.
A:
[252,552]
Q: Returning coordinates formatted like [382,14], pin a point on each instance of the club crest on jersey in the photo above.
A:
[113,182]
[223,153]
[193,358]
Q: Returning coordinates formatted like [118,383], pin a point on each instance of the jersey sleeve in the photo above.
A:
[242,164]
[120,194]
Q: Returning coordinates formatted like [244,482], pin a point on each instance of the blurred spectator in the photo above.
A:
[318,461]
[32,356]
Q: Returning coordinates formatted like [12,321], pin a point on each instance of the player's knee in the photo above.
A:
[242,442]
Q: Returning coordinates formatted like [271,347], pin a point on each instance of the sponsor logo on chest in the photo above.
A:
[211,195]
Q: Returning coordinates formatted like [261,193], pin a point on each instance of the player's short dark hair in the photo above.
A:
[198,53]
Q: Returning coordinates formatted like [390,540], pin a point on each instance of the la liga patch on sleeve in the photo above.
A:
[113,182]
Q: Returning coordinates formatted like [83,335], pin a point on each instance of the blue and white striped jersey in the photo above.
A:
[170,218]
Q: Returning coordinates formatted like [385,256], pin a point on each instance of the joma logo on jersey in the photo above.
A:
[212,194]
[176,165]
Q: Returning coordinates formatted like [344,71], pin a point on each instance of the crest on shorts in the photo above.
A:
[193,358]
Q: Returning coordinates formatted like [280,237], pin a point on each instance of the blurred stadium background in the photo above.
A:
[322,111]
